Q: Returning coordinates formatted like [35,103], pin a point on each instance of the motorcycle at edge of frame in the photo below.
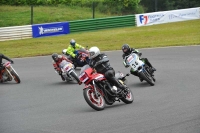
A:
[9,73]
[98,91]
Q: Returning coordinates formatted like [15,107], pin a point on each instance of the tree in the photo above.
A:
[164,5]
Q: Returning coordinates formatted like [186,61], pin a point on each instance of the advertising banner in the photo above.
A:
[50,29]
[167,16]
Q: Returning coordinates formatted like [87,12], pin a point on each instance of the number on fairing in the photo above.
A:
[67,67]
[130,60]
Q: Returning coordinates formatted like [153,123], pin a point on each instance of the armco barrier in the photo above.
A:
[22,32]
[102,23]
[15,32]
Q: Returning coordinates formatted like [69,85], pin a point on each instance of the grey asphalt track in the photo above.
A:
[43,103]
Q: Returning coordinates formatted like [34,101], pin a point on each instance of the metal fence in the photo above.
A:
[22,32]
[15,32]
[102,23]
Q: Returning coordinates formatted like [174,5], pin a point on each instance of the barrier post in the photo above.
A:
[31,14]
[93,9]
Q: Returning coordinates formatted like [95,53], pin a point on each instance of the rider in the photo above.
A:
[71,50]
[100,62]
[127,50]
[1,65]
[57,59]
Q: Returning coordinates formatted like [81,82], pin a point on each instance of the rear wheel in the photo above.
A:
[128,98]
[16,77]
[96,103]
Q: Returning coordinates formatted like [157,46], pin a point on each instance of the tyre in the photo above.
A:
[16,77]
[74,75]
[147,77]
[96,103]
[128,97]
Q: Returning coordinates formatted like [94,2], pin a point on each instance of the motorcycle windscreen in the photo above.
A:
[63,63]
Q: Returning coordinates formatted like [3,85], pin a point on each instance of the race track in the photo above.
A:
[42,103]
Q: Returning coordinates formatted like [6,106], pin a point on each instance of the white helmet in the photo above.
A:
[93,52]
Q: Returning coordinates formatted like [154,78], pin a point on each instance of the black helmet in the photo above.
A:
[55,57]
[125,48]
[72,42]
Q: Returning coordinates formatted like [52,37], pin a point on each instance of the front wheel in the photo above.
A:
[74,75]
[16,77]
[146,76]
[96,103]
[128,97]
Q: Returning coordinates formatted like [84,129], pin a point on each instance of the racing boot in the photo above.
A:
[79,82]
[153,69]
[122,86]
[63,79]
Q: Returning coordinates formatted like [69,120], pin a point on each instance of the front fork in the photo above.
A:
[95,89]
[8,71]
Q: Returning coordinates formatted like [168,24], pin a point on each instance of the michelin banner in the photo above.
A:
[167,16]
[50,29]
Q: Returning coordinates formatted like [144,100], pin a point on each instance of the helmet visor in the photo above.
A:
[55,59]
[91,54]
[125,50]
[73,43]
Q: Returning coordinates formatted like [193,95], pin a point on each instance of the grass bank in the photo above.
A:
[171,34]
[21,15]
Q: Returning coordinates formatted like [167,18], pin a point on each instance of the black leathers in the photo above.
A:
[102,65]
[4,57]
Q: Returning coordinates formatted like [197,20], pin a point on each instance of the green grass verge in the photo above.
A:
[171,34]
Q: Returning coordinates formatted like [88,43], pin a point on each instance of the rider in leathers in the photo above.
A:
[57,59]
[100,62]
[71,50]
[127,51]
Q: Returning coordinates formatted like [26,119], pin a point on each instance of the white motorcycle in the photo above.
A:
[9,73]
[143,71]
[68,71]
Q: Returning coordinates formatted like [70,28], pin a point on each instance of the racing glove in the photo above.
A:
[76,56]
[11,61]
[126,66]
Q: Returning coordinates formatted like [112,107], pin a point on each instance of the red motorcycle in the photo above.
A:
[98,91]
[8,73]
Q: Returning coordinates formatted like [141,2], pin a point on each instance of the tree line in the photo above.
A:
[112,6]
[164,5]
